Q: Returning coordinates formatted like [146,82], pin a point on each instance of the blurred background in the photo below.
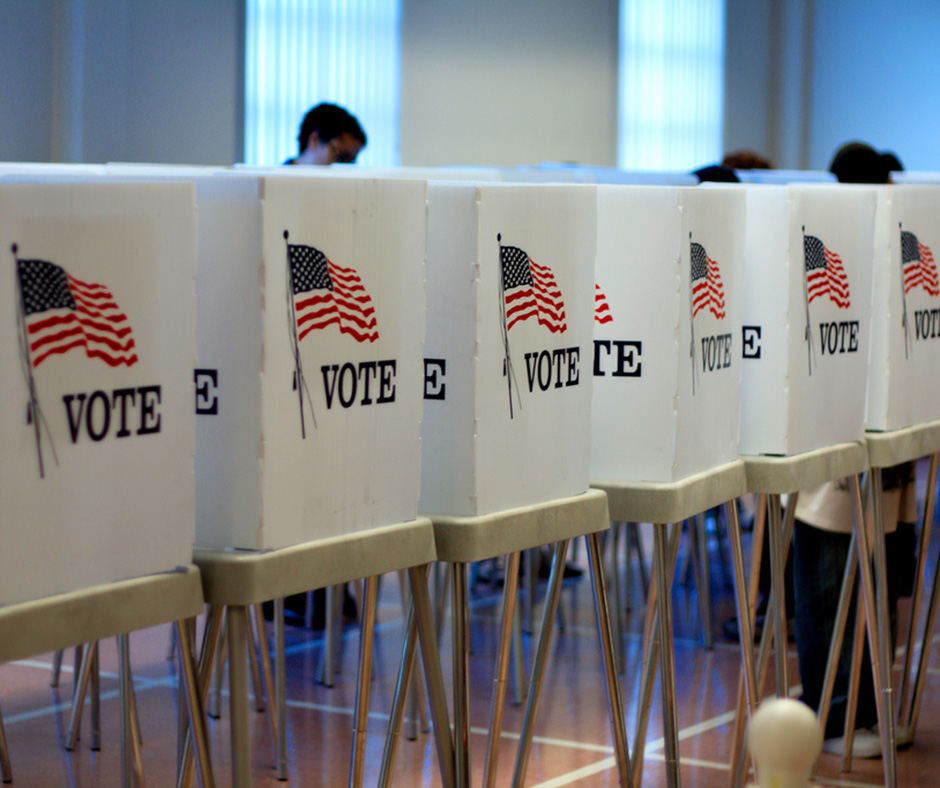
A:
[636,84]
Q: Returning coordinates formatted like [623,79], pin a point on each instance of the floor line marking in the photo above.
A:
[578,774]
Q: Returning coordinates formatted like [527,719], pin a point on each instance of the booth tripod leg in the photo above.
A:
[236,624]
[417,702]
[541,658]
[363,684]
[777,563]
[267,672]
[197,716]
[651,656]
[667,675]
[461,677]
[210,644]
[6,771]
[744,610]
[420,630]
[917,594]
[405,672]
[611,673]
[767,636]
[615,592]
[503,654]
[757,544]
[855,676]
[131,762]
[921,675]
[881,627]
[430,658]
[81,690]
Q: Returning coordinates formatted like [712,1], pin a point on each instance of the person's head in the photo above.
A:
[328,133]
[746,160]
[858,162]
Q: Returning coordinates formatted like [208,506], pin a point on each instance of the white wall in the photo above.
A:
[122,80]
[876,72]
[26,34]
[494,82]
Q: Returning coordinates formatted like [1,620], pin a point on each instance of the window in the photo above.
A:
[301,52]
[671,84]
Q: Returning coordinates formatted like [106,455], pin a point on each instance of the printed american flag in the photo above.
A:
[327,294]
[707,287]
[824,273]
[918,265]
[530,289]
[63,313]
[601,307]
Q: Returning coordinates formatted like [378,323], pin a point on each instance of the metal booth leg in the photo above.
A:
[921,675]
[752,692]
[238,695]
[430,657]
[503,654]
[197,716]
[757,544]
[614,698]
[651,656]
[78,701]
[777,563]
[461,679]
[405,672]
[667,676]
[6,771]
[917,595]
[882,629]
[363,684]
[541,658]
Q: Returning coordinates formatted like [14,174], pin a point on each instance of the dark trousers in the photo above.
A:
[818,564]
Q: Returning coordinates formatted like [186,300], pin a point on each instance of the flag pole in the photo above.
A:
[903,295]
[508,371]
[808,334]
[691,317]
[299,382]
[33,409]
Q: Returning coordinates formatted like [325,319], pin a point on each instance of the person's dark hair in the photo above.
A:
[717,173]
[893,162]
[329,121]
[746,160]
[858,162]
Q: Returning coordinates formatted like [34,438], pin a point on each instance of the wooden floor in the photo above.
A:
[572,745]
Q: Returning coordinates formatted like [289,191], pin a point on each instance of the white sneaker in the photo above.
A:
[865,744]
[903,735]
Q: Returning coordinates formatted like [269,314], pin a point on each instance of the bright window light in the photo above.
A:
[301,52]
[671,83]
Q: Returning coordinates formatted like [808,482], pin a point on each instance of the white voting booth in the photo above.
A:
[905,344]
[508,349]
[667,355]
[807,317]
[311,315]
[311,320]
[97,344]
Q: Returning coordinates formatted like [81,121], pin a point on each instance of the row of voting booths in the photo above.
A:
[293,378]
